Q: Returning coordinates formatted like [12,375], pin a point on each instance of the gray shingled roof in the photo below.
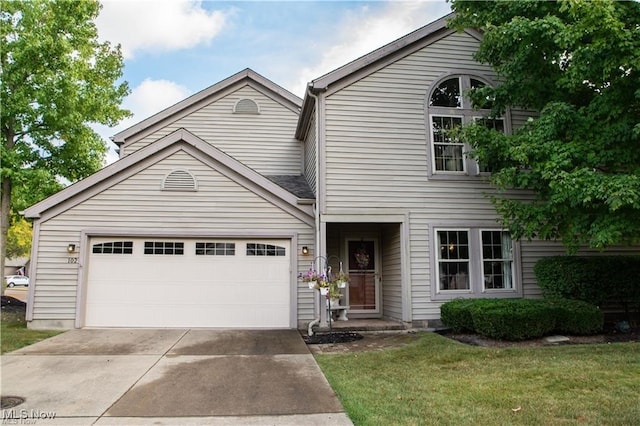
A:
[297,185]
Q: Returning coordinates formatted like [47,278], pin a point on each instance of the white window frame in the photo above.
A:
[463,146]
[468,115]
[439,260]
[504,127]
[502,260]
[477,288]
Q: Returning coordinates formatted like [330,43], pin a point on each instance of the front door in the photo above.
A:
[364,285]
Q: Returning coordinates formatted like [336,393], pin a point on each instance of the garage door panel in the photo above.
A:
[189,290]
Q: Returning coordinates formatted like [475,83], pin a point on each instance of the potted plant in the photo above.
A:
[323,284]
[334,295]
[341,279]
[311,277]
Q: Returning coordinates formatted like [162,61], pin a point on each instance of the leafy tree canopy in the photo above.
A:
[577,63]
[19,238]
[56,80]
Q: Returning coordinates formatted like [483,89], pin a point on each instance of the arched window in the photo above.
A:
[449,107]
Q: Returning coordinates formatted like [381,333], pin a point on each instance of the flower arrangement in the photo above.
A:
[362,258]
[314,279]
[310,275]
[341,279]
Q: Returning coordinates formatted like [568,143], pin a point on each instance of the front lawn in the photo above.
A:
[440,381]
[14,333]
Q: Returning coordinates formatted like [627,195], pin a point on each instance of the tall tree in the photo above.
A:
[56,80]
[577,63]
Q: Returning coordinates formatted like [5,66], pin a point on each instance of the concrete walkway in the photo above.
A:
[170,377]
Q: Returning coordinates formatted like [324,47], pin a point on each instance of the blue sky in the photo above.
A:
[175,48]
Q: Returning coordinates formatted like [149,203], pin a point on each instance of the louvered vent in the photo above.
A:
[246,106]
[179,180]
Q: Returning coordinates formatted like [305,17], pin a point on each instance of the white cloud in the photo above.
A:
[150,97]
[161,25]
[363,30]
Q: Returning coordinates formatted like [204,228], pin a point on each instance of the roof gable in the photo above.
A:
[184,107]
[372,62]
[179,140]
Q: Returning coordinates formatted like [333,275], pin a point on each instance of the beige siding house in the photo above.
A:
[220,202]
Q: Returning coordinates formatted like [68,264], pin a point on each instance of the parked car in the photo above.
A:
[15,280]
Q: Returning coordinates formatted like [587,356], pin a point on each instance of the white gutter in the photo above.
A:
[320,313]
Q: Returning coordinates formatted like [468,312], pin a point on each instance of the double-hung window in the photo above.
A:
[473,262]
[497,260]
[448,108]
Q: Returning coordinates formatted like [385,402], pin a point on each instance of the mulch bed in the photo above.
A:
[333,337]
[610,335]
[11,304]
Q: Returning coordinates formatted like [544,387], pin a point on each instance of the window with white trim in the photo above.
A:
[473,261]
[449,107]
[453,259]
[497,260]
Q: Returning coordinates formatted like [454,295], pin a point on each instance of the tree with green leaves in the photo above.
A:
[57,79]
[19,239]
[577,64]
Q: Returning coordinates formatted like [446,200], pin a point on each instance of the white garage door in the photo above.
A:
[155,282]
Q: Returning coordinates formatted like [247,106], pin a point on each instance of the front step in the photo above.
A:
[364,325]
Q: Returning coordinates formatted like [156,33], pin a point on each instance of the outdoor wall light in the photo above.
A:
[305,250]
[71,248]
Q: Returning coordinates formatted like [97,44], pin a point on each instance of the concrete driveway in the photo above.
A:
[170,376]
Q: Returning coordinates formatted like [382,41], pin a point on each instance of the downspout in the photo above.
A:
[319,313]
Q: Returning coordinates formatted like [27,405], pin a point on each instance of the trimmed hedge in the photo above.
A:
[513,319]
[521,319]
[456,314]
[596,280]
[576,317]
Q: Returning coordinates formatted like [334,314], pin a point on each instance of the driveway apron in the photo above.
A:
[126,376]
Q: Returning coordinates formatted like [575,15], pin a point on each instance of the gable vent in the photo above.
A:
[179,180]
[246,106]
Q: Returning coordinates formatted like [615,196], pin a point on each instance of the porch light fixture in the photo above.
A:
[305,250]
[71,248]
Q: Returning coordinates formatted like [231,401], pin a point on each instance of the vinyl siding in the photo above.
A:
[219,206]
[377,154]
[310,146]
[264,142]
[391,272]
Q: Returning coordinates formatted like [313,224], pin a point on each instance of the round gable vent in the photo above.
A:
[179,180]
[246,106]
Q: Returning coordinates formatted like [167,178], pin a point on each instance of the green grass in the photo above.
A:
[437,381]
[14,333]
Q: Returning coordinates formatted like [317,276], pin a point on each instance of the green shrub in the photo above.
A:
[456,314]
[521,319]
[596,280]
[576,317]
[513,319]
